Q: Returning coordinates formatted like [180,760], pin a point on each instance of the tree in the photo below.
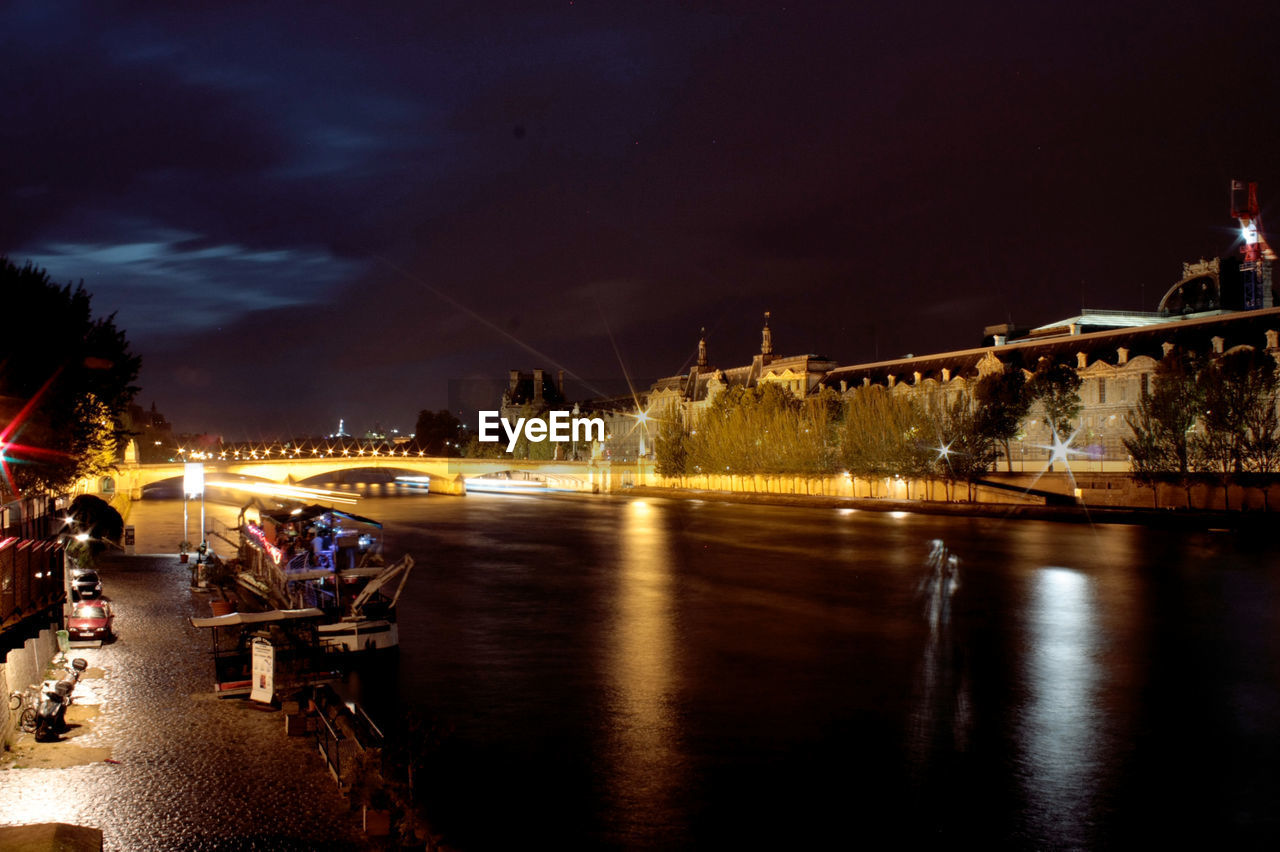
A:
[96,517]
[66,380]
[885,434]
[438,433]
[762,430]
[672,448]
[1146,453]
[99,519]
[1057,388]
[965,452]
[477,449]
[1262,444]
[1163,420]
[1237,391]
[1003,401]
[1262,448]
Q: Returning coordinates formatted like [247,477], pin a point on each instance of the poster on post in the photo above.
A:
[264,671]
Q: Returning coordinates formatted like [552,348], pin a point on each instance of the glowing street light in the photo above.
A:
[1061,450]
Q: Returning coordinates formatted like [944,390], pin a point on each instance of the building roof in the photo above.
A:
[1246,327]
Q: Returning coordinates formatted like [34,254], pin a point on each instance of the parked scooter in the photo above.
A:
[51,715]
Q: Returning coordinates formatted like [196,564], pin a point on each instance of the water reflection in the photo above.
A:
[640,670]
[1060,728]
[941,715]
[620,674]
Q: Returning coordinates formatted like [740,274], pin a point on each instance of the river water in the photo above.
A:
[608,672]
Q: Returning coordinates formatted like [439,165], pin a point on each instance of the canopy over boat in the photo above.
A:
[303,514]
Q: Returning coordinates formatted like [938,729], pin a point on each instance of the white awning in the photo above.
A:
[235,619]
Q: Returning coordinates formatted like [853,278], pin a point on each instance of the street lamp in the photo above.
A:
[192,484]
[81,537]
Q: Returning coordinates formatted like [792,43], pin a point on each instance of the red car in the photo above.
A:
[90,620]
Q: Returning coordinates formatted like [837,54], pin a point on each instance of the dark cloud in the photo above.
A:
[303,212]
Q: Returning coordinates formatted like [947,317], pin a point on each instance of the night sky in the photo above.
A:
[308,211]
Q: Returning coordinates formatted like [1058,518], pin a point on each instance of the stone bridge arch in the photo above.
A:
[447,475]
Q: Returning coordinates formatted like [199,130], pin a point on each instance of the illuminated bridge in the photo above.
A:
[444,475]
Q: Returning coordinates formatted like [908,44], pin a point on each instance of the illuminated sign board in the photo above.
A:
[193,479]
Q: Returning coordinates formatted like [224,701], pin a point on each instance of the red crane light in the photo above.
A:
[1255,246]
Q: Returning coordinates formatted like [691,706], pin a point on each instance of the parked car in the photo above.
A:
[87,584]
[91,621]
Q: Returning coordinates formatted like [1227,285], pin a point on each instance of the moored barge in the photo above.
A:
[316,557]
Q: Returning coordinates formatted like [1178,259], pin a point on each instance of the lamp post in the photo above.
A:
[66,587]
[192,484]
[68,561]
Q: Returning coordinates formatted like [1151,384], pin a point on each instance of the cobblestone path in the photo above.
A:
[191,771]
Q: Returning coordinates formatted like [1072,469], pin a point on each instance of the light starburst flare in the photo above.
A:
[1060,450]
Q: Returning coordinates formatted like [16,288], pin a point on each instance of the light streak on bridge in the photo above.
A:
[294,492]
[444,475]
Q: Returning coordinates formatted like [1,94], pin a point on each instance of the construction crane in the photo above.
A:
[1255,266]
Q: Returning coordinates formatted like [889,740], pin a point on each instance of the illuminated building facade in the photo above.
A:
[1115,353]
[1115,366]
[689,394]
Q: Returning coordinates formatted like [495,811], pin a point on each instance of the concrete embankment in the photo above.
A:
[1172,518]
[161,763]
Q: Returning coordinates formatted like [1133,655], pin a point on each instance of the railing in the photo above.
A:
[1107,312]
[31,578]
[310,560]
[331,744]
[344,733]
[30,517]
[218,529]
[372,734]
[312,596]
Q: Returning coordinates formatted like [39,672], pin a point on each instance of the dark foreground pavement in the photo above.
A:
[162,764]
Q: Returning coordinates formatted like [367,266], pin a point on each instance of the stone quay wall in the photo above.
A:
[1091,488]
[23,667]
[837,485]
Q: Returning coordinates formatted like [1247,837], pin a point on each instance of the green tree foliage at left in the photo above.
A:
[65,380]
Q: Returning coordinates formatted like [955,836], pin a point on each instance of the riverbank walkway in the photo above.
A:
[153,759]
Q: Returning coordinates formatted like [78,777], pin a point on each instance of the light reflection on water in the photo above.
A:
[941,713]
[627,674]
[643,747]
[1063,719]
